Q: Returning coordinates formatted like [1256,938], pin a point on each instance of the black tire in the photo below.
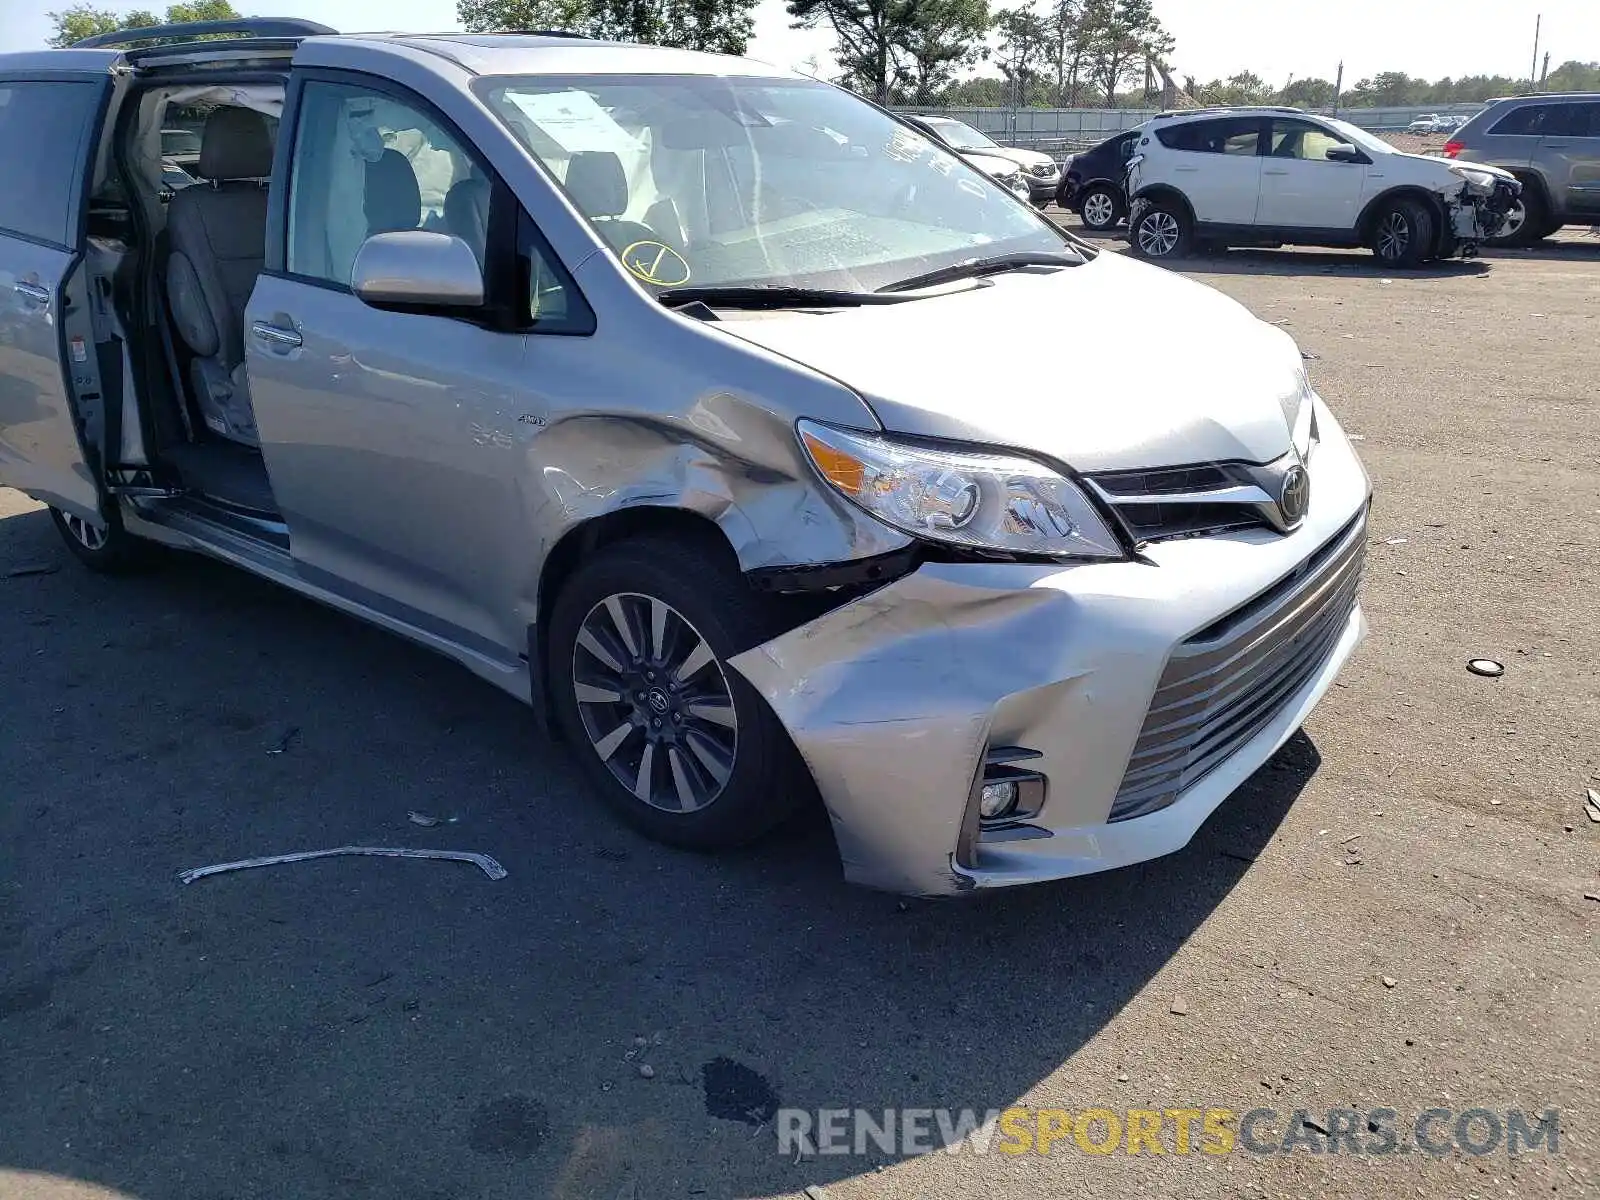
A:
[1535,224]
[1160,230]
[110,550]
[1106,205]
[1403,233]
[699,580]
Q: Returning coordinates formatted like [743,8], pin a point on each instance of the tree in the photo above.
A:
[1125,34]
[1023,56]
[1574,77]
[1308,93]
[866,35]
[946,36]
[720,25]
[84,20]
[1390,89]
[1071,36]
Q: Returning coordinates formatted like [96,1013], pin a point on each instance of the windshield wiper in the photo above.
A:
[985,266]
[770,296]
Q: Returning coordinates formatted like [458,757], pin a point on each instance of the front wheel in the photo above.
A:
[671,736]
[105,547]
[1101,209]
[1526,222]
[1403,234]
[1160,230]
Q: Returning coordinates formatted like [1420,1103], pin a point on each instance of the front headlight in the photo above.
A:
[995,502]
[1483,180]
[1303,419]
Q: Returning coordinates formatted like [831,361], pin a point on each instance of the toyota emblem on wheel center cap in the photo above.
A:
[1294,494]
[658,700]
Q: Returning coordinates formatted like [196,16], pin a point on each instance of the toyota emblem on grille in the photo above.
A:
[1294,494]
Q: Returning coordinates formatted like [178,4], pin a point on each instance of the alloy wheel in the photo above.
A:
[90,537]
[1158,234]
[655,702]
[1516,217]
[1394,235]
[1099,210]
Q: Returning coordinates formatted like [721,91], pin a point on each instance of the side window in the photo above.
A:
[1301,139]
[1572,120]
[45,126]
[1181,137]
[553,302]
[1234,135]
[366,163]
[1524,120]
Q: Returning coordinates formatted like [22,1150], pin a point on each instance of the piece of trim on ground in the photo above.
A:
[489,866]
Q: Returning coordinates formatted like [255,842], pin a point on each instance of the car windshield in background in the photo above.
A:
[963,136]
[706,181]
[1357,136]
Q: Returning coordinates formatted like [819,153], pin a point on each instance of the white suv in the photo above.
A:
[1267,176]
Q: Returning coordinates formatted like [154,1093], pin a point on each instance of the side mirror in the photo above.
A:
[417,270]
[1344,152]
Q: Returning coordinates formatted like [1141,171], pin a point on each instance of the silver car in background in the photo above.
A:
[1549,142]
[641,383]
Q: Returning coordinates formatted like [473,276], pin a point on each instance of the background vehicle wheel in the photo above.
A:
[1101,209]
[1402,236]
[1526,223]
[1160,230]
[674,739]
[109,549]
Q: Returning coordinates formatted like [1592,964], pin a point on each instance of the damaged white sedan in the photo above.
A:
[1276,176]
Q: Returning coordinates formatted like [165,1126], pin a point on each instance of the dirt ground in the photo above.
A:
[1392,914]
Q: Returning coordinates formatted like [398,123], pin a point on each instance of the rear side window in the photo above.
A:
[43,131]
[1231,135]
[1572,120]
[1523,121]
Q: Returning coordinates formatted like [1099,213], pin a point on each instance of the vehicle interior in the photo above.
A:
[177,229]
[178,237]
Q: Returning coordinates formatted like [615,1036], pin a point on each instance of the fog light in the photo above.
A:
[997,800]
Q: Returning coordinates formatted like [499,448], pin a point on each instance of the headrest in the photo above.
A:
[596,183]
[235,145]
[393,201]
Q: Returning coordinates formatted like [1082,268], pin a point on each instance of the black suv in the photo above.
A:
[1091,184]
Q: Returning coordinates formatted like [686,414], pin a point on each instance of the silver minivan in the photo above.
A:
[647,385]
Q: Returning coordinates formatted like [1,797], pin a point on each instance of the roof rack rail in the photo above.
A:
[564,33]
[263,27]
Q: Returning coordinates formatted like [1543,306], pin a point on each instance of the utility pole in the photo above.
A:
[1544,73]
[1533,70]
[1338,88]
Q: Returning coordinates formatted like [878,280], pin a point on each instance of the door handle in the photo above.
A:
[1275,170]
[32,291]
[275,336]
[1555,146]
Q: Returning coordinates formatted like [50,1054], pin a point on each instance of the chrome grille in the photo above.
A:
[1227,682]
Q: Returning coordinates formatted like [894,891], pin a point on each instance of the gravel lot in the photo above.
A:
[406,1030]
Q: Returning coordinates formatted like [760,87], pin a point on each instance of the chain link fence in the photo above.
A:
[1070,129]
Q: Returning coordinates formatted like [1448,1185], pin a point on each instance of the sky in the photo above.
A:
[1215,38]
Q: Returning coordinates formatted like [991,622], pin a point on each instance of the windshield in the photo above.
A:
[963,136]
[707,181]
[1357,136]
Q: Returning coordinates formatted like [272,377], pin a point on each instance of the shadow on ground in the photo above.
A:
[411,1029]
[1287,260]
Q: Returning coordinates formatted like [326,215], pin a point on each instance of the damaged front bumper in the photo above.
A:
[1134,696]
[1477,211]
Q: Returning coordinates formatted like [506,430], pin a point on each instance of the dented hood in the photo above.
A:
[1115,364]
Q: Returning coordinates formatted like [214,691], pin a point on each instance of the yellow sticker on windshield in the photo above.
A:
[657,263]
